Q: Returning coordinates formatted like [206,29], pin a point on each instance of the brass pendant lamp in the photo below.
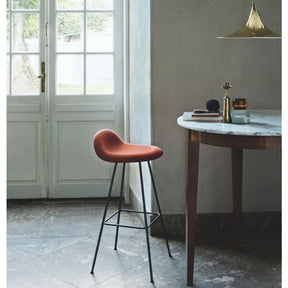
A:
[254,28]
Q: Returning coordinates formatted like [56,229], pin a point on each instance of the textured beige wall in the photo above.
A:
[188,66]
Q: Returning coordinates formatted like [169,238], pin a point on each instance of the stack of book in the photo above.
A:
[202,115]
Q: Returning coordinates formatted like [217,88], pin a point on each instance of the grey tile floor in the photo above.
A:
[51,245]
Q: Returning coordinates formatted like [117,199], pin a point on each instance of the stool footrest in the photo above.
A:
[131,226]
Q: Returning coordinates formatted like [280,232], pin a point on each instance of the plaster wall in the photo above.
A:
[188,67]
[140,96]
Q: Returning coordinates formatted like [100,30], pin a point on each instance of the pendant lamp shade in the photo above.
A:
[254,28]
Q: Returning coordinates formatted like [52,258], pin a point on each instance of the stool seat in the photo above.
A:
[111,148]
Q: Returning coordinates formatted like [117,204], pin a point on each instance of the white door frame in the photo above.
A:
[126,94]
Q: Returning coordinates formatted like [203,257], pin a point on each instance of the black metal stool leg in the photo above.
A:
[146,224]
[159,209]
[103,220]
[120,205]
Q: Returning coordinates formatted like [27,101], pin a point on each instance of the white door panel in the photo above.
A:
[78,169]
[75,163]
[22,155]
[26,157]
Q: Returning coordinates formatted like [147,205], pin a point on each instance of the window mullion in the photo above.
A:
[10,49]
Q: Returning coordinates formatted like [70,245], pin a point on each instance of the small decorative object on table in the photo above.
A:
[226,104]
[211,114]
[240,114]
[212,105]
[202,115]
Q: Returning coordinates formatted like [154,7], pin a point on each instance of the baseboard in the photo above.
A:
[135,201]
[221,224]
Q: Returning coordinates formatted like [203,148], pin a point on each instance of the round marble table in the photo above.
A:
[263,132]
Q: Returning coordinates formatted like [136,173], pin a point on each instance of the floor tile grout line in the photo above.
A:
[139,263]
[48,237]
[54,237]
[116,275]
[37,256]
[70,284]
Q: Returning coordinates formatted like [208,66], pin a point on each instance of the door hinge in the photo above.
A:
[46,34]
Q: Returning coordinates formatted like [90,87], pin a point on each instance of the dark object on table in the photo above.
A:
[212,105]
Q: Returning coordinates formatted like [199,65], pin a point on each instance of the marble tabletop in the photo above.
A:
[262,123]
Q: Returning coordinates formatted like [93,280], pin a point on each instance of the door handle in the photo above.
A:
[42,76]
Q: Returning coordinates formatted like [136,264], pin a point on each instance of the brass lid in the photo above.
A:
[240,103]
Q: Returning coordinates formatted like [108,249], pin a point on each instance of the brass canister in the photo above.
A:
[226,104]
[226,110]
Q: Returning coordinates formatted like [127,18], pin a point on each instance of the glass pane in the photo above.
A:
[70,32]
[7,4]
[70,74]
[24,5]
[8,76]
[99,77]
[99,32]
[70,4]
[8,32]
[99,4]
[25,69]
[25,32]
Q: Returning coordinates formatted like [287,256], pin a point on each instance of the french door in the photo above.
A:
[65,82]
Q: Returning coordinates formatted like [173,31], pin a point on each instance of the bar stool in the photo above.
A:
[111,148]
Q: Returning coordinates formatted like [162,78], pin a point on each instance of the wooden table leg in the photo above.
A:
[192,163]
[237,167]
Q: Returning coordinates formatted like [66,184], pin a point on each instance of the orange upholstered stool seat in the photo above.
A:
[111,148]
